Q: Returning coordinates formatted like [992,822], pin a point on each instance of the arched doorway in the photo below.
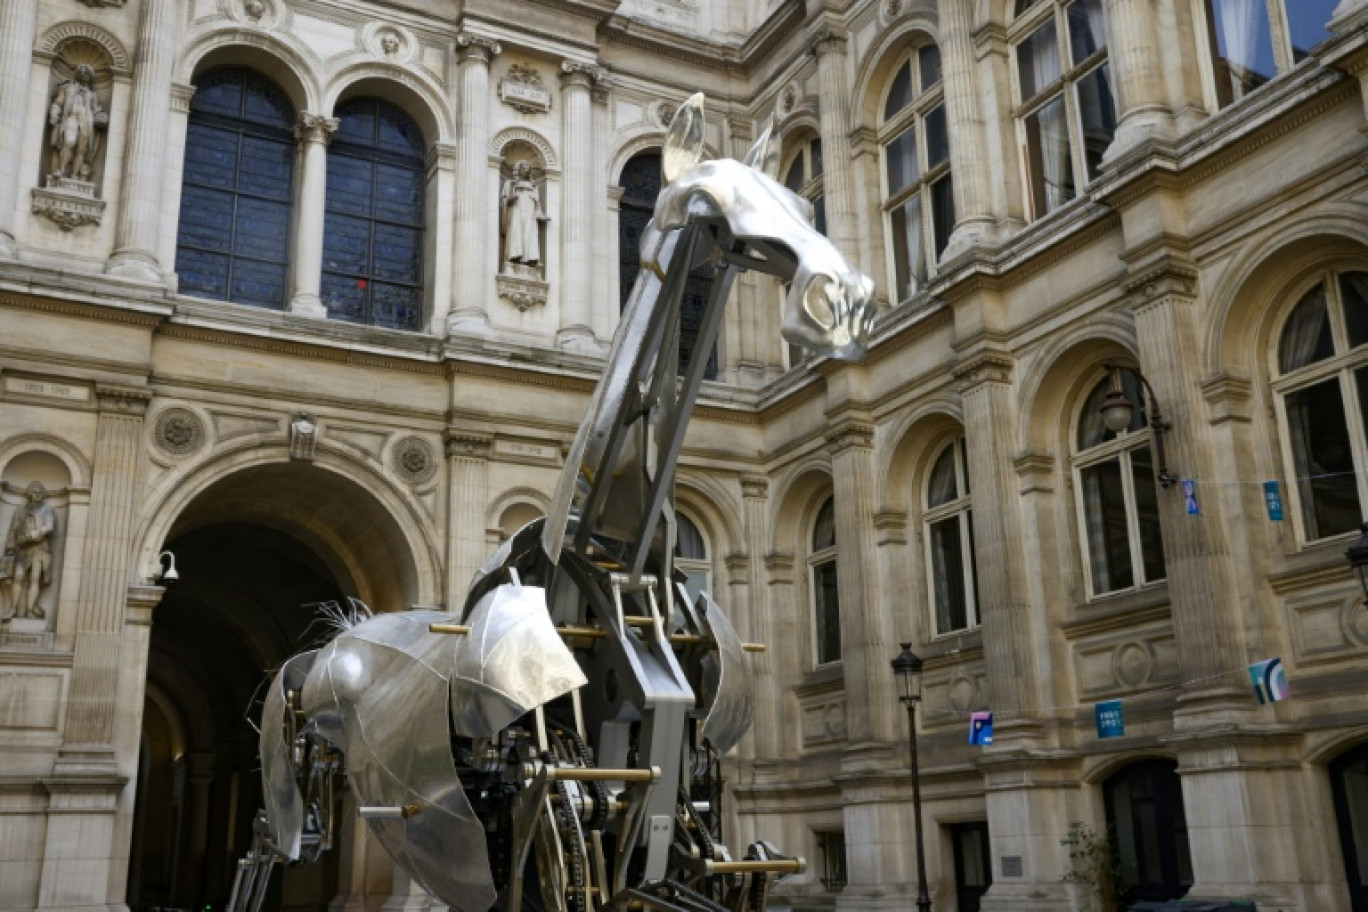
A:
[1349,782]
[255,552]
[1144,803]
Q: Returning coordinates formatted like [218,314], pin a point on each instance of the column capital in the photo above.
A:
[738,562]
[828,40]
[984,367]
[476,48]
[1169,277]
[467,444]
[442,156]
[127,400]
[575,73]
[754,487]
[315,128]
[850,434]
[180,97]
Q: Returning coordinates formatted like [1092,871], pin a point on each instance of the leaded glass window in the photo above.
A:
[233,238]
[373,227]
[1118,503]
[640,182]
[1322,390]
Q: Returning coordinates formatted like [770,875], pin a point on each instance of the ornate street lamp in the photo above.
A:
[1357,555]
[1117,412]
[907,671]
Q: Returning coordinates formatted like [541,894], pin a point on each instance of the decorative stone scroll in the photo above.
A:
[523,90]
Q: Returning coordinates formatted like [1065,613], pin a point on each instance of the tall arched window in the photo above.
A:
[1349,781]
[826,604]
[373,228]
[948,517]
[1144,804]
[691,556]
[233,240]
[640,182]
[1068,116]
[919,201]
[804,177]
[1251,41]
[1322,394]
[1118,508]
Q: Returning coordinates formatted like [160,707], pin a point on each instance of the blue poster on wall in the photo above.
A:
[1273,499]
[981,728]
[1269,680]
[1110,722]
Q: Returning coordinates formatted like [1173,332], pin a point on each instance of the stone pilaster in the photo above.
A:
[107,568]
[576,318]
[786,662]
[994,87]
[18,20]
[472,260]
[467,458]
[865,631]
[1203,593]
[974,222]
[833,82]
[1011,635]
[313,132]
[137,236]
[759,628]
[1137,75]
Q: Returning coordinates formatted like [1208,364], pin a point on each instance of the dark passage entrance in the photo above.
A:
[236,614]
[1349,779]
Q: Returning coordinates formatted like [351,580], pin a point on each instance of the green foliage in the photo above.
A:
[1096,865]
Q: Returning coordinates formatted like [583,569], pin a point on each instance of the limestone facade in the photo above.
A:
[1206,226]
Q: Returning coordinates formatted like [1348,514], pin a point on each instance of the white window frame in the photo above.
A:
[913,115]
[1120,447]
[1280,35]
[813,189]
[817,559]
[696,567]
[1066,85]
[962,506]
[1341,365]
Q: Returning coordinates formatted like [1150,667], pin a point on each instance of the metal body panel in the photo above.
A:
[284,819]
[728,683]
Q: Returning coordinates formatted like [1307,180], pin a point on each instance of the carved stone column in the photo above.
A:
[18,20]
[313,132]
[472,262]
[442,160]
[138,232]
[994,86]
[1010,636]
[974,222]
[865,631]
[576,320]
[833,85]
[467,458]
[1203,592]
[1137,75]
[107,567]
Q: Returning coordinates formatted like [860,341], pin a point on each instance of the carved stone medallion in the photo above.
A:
[178,431]
[414,460]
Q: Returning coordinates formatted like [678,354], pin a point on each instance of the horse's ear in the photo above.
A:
[764,155]
[684,141]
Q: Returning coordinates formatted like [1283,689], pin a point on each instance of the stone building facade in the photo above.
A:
[1052,197]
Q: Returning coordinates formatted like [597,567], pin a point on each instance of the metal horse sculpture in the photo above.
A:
[552,747]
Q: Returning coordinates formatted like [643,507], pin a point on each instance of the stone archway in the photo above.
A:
[255,551]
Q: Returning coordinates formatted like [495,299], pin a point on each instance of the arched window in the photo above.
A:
[1251,41]
[1349,781]
[1322,391]
[919,201]
[804,177]
[1067,116]
[373,227]
[1118,508]
[233,240]
[640,182]
[1144,804]
[948,518]
[691,556]
[826,604]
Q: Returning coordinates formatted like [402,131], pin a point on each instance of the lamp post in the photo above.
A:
[907,671]
[1117,412]
[1357,555]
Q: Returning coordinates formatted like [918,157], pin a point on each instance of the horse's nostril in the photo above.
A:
[817,303]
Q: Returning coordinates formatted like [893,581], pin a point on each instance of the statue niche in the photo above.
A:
[77,121]
[522,229]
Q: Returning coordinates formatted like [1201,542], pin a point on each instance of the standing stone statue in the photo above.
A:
[28,556]
[75,115]
[522,217]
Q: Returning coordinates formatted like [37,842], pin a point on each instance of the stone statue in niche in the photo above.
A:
[76,116]
[522,221]
[27,561]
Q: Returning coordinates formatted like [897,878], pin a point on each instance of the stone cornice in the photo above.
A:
[134,314]
[418,359]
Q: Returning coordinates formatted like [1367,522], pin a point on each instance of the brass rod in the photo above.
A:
[597,633]
[773,866]
[594,774]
